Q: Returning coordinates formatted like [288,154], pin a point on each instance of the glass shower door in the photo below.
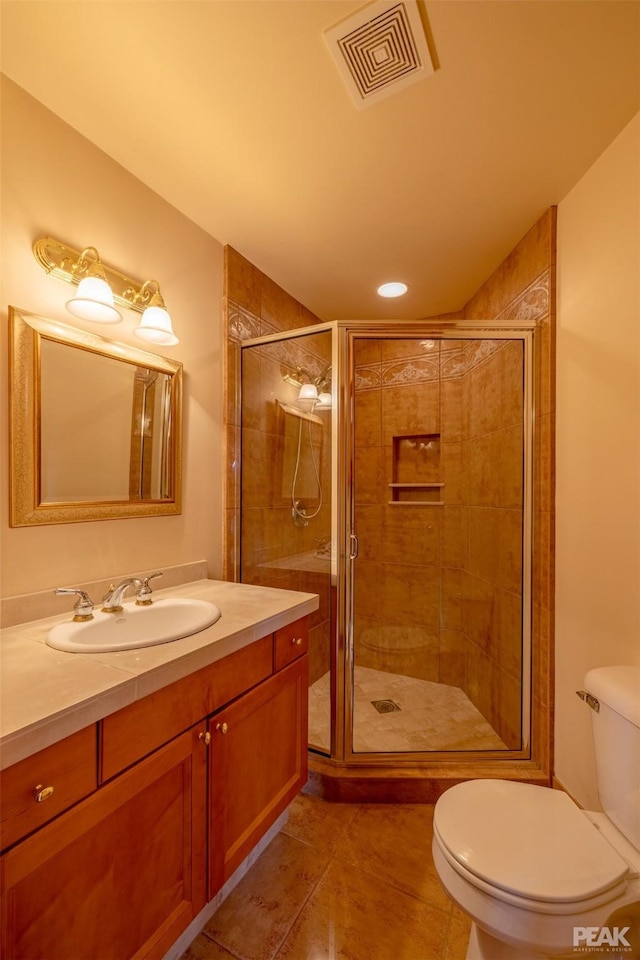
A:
[287,488]
[440,616]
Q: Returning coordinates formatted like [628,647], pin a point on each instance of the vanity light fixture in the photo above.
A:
[102,287]
[155,325]
[93,299]
[393,289]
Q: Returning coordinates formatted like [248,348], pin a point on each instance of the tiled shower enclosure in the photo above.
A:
[405,505]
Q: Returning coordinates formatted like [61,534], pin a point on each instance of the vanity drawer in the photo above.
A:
[290,642]
[140,728]
[69,767]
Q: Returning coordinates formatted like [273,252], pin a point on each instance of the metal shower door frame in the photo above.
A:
[435,329]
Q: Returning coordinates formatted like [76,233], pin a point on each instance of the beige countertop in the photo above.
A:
[46,694]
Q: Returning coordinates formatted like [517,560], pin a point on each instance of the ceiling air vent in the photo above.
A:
[380,49]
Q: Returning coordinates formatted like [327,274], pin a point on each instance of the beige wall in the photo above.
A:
[598,443]
[54,182]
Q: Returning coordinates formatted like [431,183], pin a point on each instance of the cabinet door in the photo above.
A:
[122,873]
[258,765]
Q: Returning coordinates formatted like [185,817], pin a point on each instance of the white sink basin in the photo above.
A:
[135,626]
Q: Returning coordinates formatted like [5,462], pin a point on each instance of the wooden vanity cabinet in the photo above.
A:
[120,875]
[184,784]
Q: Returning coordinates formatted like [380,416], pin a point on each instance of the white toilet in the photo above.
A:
[531,868]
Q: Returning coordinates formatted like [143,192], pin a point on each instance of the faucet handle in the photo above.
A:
[83,607]
[143,598]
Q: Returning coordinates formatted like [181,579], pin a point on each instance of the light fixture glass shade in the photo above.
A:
[308,391]
[155,327]
[324,401]
[94,301]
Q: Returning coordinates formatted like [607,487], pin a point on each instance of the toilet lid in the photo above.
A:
[531,841]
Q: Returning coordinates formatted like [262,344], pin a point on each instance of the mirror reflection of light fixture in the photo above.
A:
[102,287]
[323,383]
[314,393]
[93,299]
[307,396]
[308,391]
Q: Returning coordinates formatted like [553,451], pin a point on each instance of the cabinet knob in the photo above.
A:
[296,641]
[40,793]
[222,727]
[205,737]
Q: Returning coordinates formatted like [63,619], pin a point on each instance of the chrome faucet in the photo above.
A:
[112,600]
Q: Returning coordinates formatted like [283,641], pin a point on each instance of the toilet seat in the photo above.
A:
[527,845]
[557,908]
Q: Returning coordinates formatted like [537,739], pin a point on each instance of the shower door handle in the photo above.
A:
[353,554]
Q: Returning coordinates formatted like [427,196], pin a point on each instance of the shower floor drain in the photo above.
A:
[385,706]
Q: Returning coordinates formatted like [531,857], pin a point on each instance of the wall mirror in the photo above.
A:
[95,426]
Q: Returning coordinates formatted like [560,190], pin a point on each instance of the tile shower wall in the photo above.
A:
[523,288]
[271,543]
[491,581]
[438,581]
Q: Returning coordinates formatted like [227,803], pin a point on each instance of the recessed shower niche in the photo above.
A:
[416,470]
[417,485]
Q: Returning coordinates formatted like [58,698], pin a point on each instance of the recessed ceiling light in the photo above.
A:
[394,289]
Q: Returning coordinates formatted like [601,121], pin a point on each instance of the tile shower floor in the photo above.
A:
[424,716]
[340,882]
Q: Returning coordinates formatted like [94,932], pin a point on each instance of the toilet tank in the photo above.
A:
[616,736]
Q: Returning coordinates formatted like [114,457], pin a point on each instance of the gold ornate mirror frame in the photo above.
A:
[26,335]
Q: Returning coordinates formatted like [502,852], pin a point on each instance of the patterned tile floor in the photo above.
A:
[340,882]
[432,716]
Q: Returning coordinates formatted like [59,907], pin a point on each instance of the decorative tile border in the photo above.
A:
[447,365]
[368,377]
[532,303]
[241,323]
[478,351]
[289,354]
[453,364]
[410,370]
